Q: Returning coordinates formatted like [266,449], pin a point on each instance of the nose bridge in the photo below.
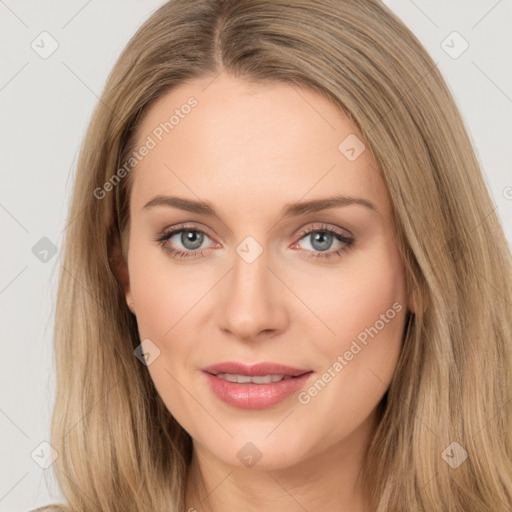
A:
[250,277]
[250,272]
[252,302]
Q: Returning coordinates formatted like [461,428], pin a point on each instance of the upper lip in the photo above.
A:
[258,369]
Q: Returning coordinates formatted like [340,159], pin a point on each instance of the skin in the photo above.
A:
[249,148]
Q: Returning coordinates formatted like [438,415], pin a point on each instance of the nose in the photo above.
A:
[253,302]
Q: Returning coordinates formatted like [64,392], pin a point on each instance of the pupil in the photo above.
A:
[191,239]
[323,241]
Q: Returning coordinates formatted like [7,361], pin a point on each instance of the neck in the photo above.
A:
[329,480]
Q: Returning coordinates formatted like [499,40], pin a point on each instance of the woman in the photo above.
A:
[284,282]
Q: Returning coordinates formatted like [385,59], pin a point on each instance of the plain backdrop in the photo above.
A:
[46,103]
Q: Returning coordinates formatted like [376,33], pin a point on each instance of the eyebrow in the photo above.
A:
[289,209]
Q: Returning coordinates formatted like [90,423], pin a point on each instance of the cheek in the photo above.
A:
[164,295]
[353,302]
[162,290]
[364,307]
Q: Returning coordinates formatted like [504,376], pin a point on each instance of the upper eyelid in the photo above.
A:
[324,227]
[167,232]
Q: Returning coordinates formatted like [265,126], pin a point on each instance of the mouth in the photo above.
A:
[255,387]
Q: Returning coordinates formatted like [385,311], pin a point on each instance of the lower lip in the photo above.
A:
[255,396]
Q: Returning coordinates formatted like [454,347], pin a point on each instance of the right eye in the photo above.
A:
[190,238]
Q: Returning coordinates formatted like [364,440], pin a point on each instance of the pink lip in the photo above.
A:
[254,370]
[255,396]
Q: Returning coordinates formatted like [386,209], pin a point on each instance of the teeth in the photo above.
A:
[244,379]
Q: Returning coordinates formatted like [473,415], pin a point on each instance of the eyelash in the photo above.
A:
[164,236]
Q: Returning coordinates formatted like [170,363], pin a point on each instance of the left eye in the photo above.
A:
[322,238]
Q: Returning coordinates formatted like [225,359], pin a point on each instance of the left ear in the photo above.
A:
[119,268]
[416,300]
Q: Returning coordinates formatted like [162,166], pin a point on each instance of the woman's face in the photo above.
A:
[266,279]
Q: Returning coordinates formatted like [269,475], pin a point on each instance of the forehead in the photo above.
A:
[251,144]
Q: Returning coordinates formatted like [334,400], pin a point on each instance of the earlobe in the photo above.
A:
[126,286]
[416,302]
[129,300]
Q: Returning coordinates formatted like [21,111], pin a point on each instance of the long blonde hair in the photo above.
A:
[119,448]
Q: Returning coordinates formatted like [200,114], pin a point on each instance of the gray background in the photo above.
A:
[46,104]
